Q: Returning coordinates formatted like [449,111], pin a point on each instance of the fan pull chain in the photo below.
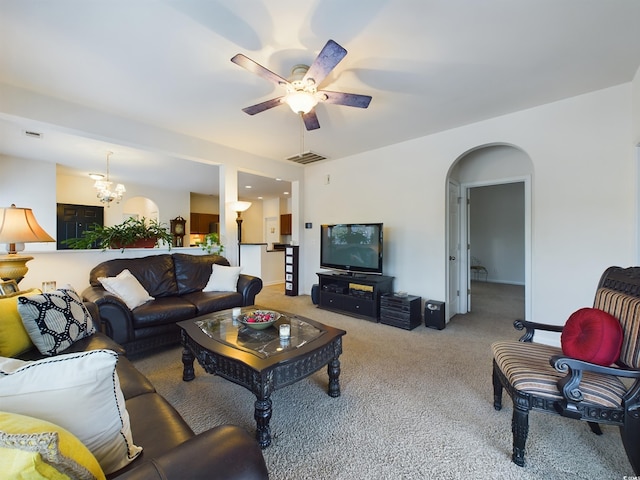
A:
[301,136]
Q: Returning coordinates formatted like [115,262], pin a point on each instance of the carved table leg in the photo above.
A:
[188,373]
[333,368]
[262,415]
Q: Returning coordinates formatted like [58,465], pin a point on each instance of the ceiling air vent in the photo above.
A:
[306,157]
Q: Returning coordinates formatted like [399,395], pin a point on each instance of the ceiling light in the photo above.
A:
[103,187]
[300,101]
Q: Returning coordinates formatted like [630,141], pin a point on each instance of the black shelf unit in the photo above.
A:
[402,312]
[355,295]
[291,254]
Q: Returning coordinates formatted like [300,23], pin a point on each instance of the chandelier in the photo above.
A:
[103,187]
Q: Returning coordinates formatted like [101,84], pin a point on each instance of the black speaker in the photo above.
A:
[434,314]
[314,293]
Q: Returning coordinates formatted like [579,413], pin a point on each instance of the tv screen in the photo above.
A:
[352,247]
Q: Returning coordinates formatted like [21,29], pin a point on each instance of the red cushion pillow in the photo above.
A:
[592,335]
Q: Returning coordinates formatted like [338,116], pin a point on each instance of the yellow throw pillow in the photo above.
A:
[31,448]
[14,339]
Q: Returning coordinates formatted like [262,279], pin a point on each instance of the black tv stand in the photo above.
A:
[356,295]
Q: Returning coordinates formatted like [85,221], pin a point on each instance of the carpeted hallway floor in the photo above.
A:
[414,405]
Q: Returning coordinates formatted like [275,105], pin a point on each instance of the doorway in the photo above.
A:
[483,167]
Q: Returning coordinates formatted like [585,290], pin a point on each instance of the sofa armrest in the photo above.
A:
[249,286]
[116,320]
[225,452]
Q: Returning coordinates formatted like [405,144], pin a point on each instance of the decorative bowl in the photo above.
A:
[259,319]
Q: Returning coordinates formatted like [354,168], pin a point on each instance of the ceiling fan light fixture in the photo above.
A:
[301,101]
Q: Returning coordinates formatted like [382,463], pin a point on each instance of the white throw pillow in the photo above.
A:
[55,320]
[126,287]
[223,279]
[79,392]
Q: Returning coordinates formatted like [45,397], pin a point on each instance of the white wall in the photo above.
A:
[583,198]
[30,184]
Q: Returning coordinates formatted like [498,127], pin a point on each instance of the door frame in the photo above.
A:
[454,273]
[465,274]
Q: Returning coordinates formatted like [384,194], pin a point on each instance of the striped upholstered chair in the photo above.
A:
[539,377]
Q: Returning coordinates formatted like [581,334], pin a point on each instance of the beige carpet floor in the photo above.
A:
[414,405]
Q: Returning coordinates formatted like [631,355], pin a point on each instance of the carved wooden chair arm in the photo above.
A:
[531,328]
[569,385]
[565,364]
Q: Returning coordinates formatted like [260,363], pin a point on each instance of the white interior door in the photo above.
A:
[453,306]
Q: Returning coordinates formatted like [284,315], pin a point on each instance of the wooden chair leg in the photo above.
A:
[520,428]
[630,434]
[595,428]
[497,390]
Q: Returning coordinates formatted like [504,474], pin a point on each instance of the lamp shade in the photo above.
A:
[19,225]
[239,206]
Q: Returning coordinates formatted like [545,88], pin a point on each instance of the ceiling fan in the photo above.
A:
[302,93]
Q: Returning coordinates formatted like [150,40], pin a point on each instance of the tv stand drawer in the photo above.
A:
[348,304]
[356,296]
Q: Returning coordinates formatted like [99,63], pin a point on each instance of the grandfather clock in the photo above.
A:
[177,230]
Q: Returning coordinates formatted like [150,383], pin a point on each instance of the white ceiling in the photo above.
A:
[430,65]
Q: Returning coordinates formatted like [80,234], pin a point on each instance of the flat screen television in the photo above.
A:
[352,247]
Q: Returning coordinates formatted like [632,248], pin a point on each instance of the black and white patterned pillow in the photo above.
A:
[55,320]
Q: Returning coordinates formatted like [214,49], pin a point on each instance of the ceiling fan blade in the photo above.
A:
[253,67]
[261,107]
[327,59]
[311,120]
[348,99]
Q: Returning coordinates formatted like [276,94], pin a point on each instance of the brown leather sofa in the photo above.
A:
[176,282]
[171,450]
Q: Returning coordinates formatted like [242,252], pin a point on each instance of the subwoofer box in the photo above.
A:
[434,314]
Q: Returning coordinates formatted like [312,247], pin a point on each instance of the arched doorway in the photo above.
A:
[482,167]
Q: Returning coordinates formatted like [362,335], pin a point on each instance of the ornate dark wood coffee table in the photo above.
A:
[258,359]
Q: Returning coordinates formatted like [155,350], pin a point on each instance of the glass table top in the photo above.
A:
[223,328]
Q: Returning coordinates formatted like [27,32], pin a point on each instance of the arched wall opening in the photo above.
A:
[498,230]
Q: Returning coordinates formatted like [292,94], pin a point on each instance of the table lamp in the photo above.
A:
[18,225]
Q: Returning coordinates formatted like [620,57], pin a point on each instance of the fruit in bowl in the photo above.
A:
[259,319]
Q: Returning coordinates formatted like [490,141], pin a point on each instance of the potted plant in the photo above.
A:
[132,233]
[211,243]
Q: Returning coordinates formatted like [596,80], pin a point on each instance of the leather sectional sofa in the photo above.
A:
[171,450]
[176,282]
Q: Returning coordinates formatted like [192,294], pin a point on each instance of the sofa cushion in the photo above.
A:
[127,288]
[207,302]
[223,279]
[132,381]
[154,272]
[162,311]
[14,339]
[79,392]
[593,336]
[33,448]
[156,424]
[55,320]
[193,271]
